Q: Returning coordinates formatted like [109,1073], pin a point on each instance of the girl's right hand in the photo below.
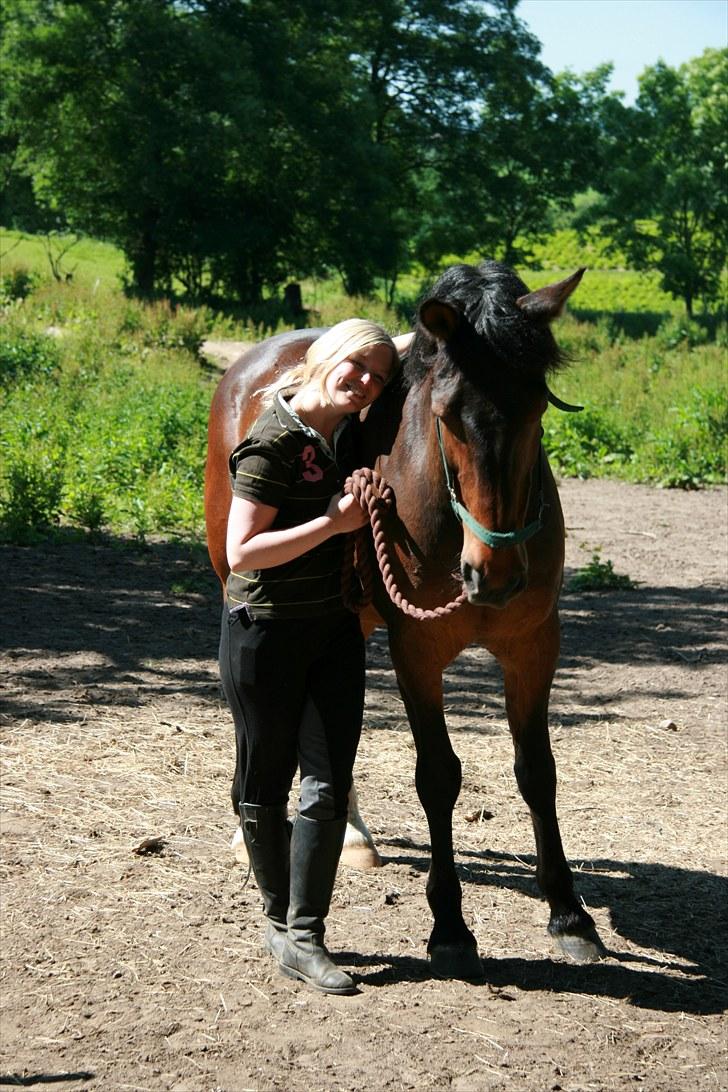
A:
[346,514]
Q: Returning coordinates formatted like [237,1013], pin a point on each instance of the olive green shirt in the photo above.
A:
[289,466]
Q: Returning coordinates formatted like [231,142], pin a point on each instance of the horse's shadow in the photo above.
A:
[681,913]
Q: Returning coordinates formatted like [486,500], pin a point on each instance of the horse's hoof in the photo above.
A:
[454,961]
[582,947]
[237,845]
[360,855]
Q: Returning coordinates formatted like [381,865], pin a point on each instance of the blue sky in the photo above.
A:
[632,34]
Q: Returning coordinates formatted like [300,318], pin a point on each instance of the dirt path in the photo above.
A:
[223,353]
[126,971]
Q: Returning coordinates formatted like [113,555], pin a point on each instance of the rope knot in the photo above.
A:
[370,490]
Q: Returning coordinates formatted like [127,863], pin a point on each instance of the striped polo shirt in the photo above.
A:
[289,466]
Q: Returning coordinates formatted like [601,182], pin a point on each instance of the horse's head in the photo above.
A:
[484,347]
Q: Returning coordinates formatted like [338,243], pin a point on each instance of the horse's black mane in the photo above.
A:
[486,295]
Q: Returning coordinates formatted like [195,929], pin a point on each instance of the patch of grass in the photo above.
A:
[656,409]
[103,426]
[599,575]
[91,261]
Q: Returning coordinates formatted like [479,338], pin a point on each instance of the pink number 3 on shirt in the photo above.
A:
[313,472]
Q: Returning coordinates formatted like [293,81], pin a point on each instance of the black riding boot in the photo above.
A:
[267,835]
[315,851]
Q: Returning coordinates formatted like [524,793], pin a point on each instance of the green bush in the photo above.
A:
[31,490]
[598,575]
[585,444]
[85,503]
[17,284]
[26,356]
[677,331]
[690,447]
[99,439]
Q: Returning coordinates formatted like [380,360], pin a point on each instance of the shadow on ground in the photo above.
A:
[681,913]
[119,612]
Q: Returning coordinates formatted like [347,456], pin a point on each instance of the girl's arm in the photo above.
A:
[402,342]
[251,544]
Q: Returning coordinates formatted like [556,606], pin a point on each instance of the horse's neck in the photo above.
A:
[414,469]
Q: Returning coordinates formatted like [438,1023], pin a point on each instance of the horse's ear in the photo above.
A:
[439,318]
[547,303]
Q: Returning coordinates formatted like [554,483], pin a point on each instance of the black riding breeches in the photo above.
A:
[296,691]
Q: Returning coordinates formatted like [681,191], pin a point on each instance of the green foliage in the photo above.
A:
[567,248]
[690,447]
[531,151]
[17,284]
[31,495]
[586,444]
[655,408]
[599,575]
[682,331]
[227,148]
[205,140]
[27,356]
[104,426]
[665,201]
[96,263]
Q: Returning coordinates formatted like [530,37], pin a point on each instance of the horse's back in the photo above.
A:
[234,408]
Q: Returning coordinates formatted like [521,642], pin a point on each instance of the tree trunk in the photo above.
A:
[144,265]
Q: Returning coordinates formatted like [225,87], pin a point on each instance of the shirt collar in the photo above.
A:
[289,412]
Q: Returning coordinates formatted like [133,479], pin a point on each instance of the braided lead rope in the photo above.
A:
[375,496]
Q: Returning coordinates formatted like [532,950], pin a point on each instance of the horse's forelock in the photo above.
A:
[486,295]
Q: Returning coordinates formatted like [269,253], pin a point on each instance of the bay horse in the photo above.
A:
[458,438]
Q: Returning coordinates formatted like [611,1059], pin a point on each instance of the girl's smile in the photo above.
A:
[356,381]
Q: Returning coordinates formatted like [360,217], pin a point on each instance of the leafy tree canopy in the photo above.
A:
[664,195]
[232,144]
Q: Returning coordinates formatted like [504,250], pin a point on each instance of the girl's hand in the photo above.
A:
[346,514]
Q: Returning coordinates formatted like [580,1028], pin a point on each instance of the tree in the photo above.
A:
[130,116]
[428,65]
[232,144]
[221,143]
[665,202]
[533,149]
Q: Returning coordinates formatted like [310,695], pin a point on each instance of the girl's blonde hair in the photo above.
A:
[326,352]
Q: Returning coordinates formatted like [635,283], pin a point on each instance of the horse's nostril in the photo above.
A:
[473,579]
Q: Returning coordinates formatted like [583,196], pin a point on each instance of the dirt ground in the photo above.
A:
[123,970]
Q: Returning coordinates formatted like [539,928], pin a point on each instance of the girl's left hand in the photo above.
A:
[346,513]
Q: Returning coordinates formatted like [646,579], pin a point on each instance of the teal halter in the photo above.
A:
[495,539]
[498,540]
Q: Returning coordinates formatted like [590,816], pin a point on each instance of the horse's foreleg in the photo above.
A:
[452,948]
[528,669]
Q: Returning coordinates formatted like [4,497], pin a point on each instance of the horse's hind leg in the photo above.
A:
[452,947]
[528,669]
[359,850]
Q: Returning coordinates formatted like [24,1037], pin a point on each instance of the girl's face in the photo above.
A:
[360,378]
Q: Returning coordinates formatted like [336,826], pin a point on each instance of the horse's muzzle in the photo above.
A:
[481,593]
